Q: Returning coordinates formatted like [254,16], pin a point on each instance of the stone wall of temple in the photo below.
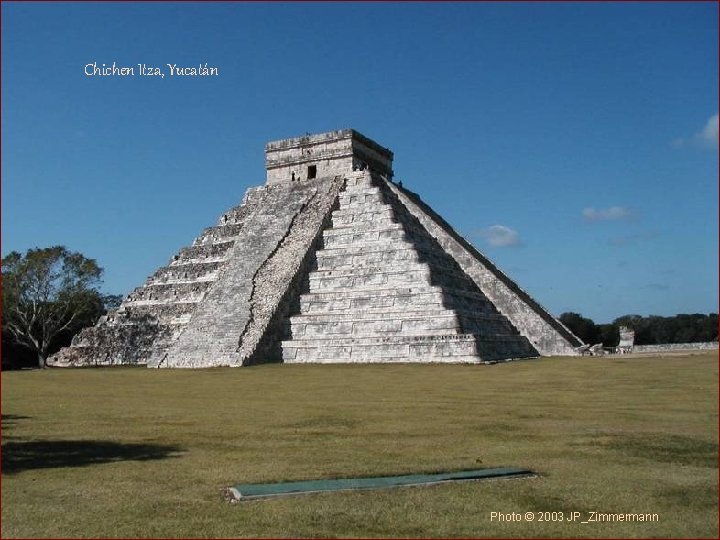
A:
[329,154]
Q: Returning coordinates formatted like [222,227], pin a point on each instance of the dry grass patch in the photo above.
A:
[146,453]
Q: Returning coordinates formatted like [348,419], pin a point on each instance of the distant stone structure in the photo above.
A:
[672,347]
[329,261]
[627,340]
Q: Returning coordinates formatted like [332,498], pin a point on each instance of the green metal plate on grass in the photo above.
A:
[261,491]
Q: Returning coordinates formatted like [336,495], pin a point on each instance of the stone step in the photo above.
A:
[177,320]
[387,313]
[394,296]
[406,242]
[309,303]
[322,296]
[239,213]
[156,311]
[390,274]
[379,211]
[486,326]
[356,180]
[369,281]
[351,271]
[363,222]
[220,258]
[364,207]
[186,272]
[353,201]
[382,208]
[386,241]
[339,237]
[212,252]
[352,192]
[439,271]
[365,349]
[419,326]
[361,248]
[209,278]
[388,320]
[437,348]
[130,303]
[339,258]
[233,216]
[218,234]
[353,230]
[163,292]
[394,312]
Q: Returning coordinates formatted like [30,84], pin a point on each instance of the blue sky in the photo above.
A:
[574,144]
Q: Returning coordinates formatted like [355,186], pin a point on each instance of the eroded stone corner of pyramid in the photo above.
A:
[152,316]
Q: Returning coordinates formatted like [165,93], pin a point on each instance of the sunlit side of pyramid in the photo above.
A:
[329,261]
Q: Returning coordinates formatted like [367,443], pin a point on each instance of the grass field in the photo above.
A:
[146,453]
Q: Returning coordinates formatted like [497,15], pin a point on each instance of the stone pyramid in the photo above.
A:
[329,261]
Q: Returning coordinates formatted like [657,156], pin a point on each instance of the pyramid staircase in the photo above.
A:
[382,289]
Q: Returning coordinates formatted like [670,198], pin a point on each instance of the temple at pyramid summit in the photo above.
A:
[329,261]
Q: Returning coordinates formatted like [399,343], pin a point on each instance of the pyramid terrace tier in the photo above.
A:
[188,272]
[382,277]
[400,254]
[439,321]
[363,217]
[176,311]
[203,253]
[431,320]
[463,348]
[239,213]
[113,344]
[163,293]
[219,234]
[395,297]
[346,257]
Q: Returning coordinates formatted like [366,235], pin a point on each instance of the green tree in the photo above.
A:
[46,293]
[582,327]
[609,334]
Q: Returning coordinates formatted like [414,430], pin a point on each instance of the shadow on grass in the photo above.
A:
[28,455]
[9,420]
[8,423]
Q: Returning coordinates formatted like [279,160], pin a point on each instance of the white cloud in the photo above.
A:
[500,236]
[612,213]
[709,134]
[707,137]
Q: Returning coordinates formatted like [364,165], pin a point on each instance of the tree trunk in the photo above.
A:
[42,361]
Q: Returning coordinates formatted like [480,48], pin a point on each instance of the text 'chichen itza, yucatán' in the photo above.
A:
[329,261]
